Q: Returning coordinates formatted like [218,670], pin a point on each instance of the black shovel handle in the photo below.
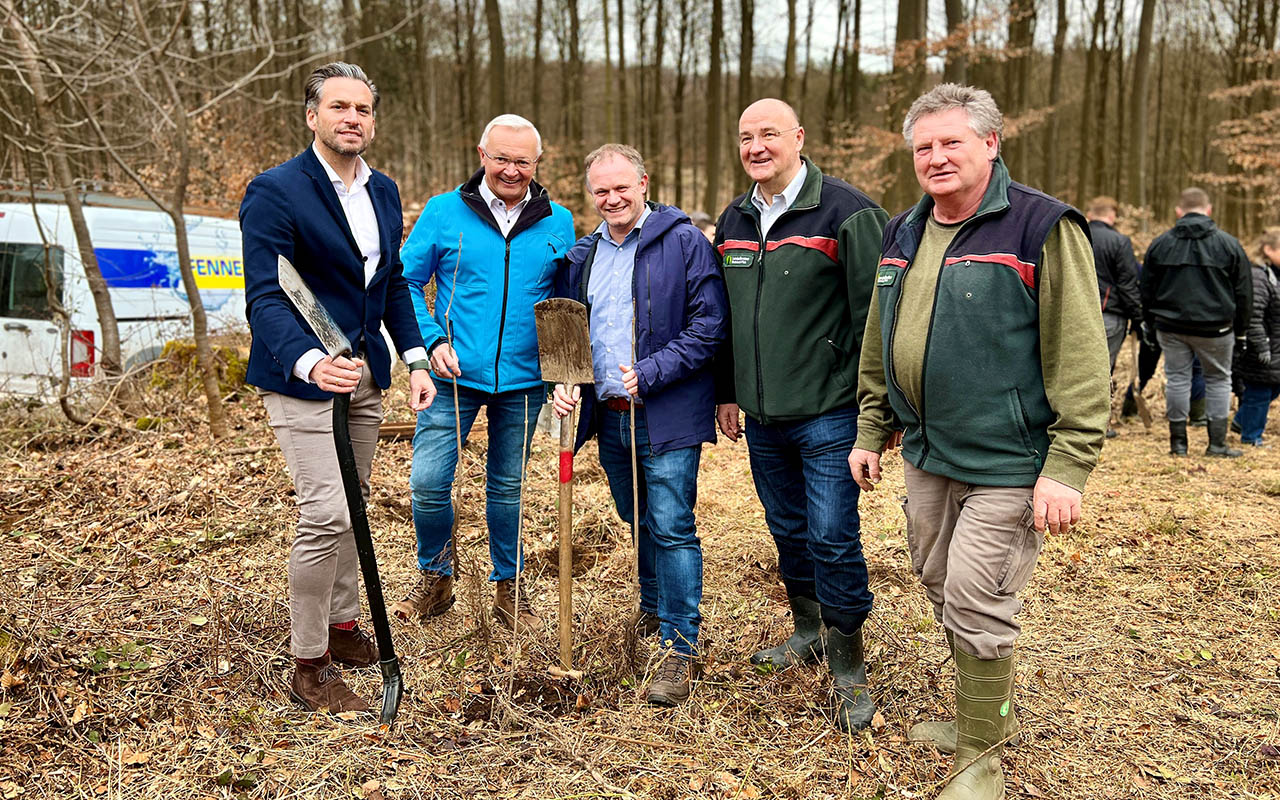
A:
[392,684]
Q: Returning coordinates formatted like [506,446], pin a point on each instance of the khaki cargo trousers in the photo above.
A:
[324,585]
[973,548]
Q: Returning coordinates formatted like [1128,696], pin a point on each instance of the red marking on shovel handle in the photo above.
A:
[566,466]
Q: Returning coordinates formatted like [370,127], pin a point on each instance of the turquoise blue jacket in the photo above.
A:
[487,295]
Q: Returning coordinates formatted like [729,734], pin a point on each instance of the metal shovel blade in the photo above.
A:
[564,344]
[317,316]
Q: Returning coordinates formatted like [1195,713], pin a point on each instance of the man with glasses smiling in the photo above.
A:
[491,246]
[799,253]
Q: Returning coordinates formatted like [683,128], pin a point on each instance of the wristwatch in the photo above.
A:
[421,363]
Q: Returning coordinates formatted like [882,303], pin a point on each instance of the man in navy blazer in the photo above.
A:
[340,224]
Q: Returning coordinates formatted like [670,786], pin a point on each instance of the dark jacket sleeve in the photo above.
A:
[722,367]
[1259,341]
[860,238]
[1243,290]
[399,315]
[1152,272]
[267,230]
[694,347]
[1126,277]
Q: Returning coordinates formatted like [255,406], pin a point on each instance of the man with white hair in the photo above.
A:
[984,350]
[491,246]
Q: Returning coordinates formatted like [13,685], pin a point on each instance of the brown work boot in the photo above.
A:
[671,681]
[319,687]
[504,607]
[354,647]
[430,598]
[645,623]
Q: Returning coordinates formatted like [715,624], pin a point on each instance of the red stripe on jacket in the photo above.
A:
[739,244]
[1027,272]
[824,244]
[900,263]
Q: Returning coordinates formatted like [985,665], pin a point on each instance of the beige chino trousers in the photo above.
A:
[974,548]
[324,585]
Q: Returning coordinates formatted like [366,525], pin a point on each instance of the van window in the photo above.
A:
[22,286]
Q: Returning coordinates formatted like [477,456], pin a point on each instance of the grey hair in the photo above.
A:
[335,69]
[984,115]
[624,151]
[510,121]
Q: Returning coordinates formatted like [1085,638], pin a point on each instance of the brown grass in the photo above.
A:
[142,639]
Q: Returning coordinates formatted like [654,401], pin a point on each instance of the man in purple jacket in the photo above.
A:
[650,281]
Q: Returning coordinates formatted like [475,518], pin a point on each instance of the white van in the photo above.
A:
[138,256]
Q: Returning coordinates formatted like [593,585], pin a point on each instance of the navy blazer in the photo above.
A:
[292,210]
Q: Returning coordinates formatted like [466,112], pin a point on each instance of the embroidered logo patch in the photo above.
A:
[886,277]
[738,259]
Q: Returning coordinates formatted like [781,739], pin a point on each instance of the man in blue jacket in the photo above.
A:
[491,247]
[650,280]
[339,223]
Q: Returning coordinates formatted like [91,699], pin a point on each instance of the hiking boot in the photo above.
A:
[853,705]
[1177,438]
[430,598]
[671,681]
[319,687]
[645,623]
[355,648]
[1111,432]
[1218,441]
[504,607]
[983,688]
[942,735]
[805,646]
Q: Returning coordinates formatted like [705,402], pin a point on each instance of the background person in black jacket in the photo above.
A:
[1260,366]
[1117,270]
[1196,291]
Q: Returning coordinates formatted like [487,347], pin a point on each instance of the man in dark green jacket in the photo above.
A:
[799,252]
[985,348]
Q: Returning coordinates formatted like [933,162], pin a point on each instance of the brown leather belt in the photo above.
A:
[619,404]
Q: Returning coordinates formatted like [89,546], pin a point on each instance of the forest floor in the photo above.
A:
[143,634]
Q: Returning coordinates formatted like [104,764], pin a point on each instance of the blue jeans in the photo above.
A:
[435,457]
[670,553]
[1251,416]
[801,472]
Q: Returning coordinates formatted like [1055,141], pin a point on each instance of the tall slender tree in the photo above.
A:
[715,101]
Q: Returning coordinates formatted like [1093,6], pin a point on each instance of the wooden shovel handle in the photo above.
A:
[567,430]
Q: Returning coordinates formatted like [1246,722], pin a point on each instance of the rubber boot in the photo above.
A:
[942,735]
[983,703]
[805,646]
[1218,441]
[1177,438]
[1196,416]
[854,707]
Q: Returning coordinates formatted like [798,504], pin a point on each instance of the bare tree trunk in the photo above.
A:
[789,63]
[853,66]
[711,199]
[906,84]
[497,59]
[654,148]
[537,62]
[575,77]
[1087,110]
[624,122]
[56,147]
[808,62]
[1022,15]
[678,97]
[828,119]
[1050,176]
[610,101]
[1138,127]
[957,63]
[746,54]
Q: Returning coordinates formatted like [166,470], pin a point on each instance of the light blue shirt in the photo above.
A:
[612,310]
[771,210]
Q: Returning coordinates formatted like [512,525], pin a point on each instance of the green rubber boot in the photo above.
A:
[805,646]
[854,707]
[983,704]
[942,735]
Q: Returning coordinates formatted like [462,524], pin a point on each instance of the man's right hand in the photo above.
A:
[729,420]
[444,362]
[865,466]
[564,401]
[339,375]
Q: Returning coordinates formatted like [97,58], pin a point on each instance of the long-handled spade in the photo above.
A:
[336,344]
[564,351]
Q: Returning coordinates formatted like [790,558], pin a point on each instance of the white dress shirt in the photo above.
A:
[357,206]
[505,217]
[770,211]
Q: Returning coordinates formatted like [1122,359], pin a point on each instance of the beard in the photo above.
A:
[331,140]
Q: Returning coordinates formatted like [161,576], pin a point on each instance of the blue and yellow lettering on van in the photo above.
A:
[218,272]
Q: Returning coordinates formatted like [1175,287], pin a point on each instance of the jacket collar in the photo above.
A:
[311,166]
[994,200]
[539,206]
[810,194]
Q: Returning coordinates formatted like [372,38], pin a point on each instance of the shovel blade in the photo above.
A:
[316,315]
[564,342]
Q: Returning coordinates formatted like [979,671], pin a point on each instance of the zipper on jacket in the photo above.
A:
[502,320]
[764,418]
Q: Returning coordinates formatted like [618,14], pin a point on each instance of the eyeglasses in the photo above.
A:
[765,137]
[522,164]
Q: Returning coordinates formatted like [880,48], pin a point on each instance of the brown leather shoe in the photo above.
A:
[319,687]
[504,607]
[645,623]
[671,681]
[355,648]
[430,598]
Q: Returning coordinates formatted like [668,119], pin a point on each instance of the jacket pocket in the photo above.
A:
[840,362]
[1020,559]
[1020,420]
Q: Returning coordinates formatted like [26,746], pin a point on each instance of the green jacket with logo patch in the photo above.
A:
[797,300]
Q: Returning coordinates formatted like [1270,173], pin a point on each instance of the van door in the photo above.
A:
[29,338]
